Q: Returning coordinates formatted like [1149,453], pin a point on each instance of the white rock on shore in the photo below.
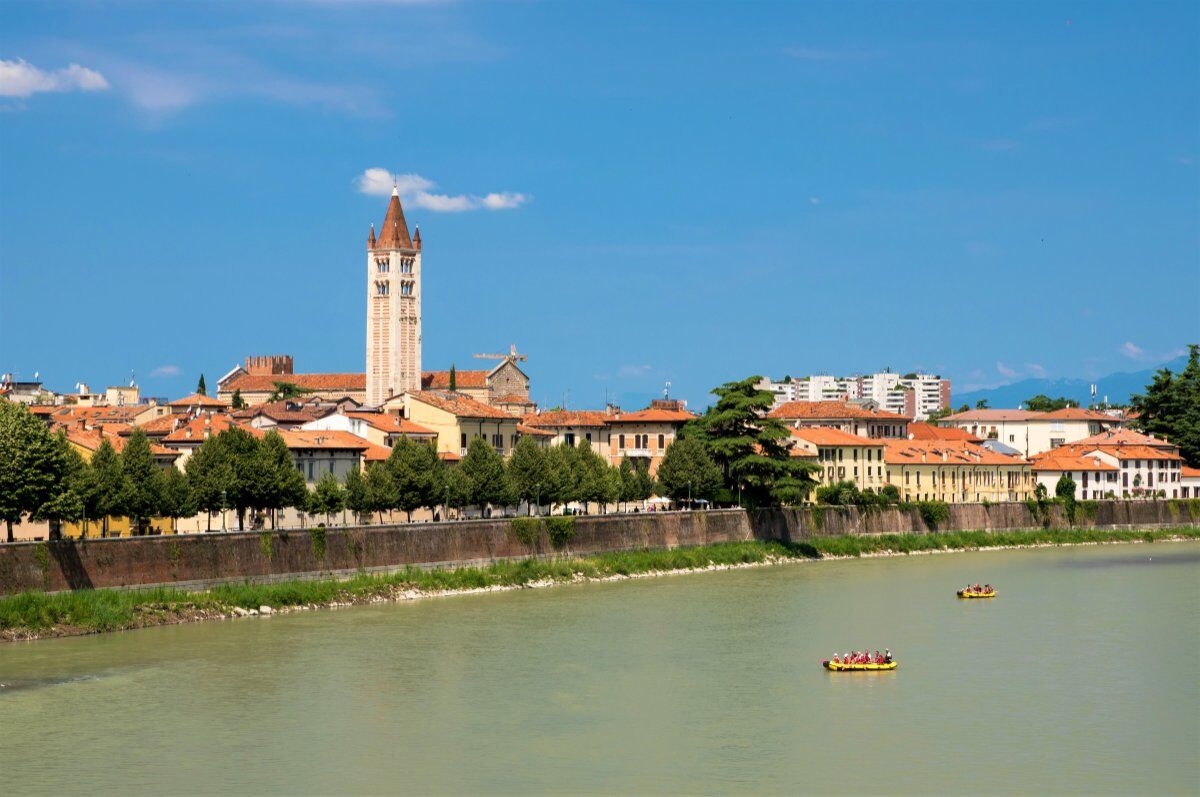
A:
[265,610]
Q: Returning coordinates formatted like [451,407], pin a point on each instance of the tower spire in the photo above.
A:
[371,237]
[394,233]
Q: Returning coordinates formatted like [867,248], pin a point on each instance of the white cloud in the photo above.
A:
[1005,371]
[1132,350]
[415,191]
[166,370]
[1035,369]
[19,78]
[633,371]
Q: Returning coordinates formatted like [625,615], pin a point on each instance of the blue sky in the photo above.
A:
[684,192]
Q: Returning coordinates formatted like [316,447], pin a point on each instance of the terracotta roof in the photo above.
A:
[513,398]
[1190,473]
[803,410]
[1123,437]
[197,400]
[163,424]
[993,415]
[1055,461]
[926,431]
[42,409]
[652,415]
[948,452]
[394,232]
[392,424]
[440,380]
[825,436]
[561,419]
[200,429]
[1124,451]
[106,414]
[90,439]
[533,431]
[324,438]
[285,411]
[460,404]
[1079,414]
[449,456]
[261,382]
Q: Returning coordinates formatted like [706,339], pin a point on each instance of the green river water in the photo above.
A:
[1082,677]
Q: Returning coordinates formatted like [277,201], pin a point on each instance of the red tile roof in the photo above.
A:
[825,436]
[562,419]
[200,429]
[533,431]
[392,424]
[90,440]
[1190,473]
[808,410]
[1066,461]
[459,404]
[926,431]
[513,398]
[440,380]
[336,440]
[931,452]
[258,383]
[1123,437]
[197,400]
[652,415]
[1080,414]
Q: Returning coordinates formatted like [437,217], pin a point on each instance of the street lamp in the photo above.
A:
[689,495]
[538,507]
[224,502]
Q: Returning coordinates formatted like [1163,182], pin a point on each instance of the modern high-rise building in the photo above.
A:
[913,395]
[393,307]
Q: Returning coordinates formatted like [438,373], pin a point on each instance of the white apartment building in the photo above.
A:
[1030,432]
[913,395]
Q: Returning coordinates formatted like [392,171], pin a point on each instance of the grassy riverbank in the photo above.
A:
[34,614]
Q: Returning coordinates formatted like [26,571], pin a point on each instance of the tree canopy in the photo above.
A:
[1043,403]
[1170,407]
[687,471]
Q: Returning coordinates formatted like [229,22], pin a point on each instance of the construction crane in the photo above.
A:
[512,355]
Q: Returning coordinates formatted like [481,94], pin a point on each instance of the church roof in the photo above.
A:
[394,233]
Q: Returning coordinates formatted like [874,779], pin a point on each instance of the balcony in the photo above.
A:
[637,452]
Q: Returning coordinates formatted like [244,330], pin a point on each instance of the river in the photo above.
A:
[1081,677]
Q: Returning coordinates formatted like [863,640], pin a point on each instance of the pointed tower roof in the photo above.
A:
[394,234]
[417,237]
[371,238]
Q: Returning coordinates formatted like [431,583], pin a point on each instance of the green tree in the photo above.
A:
[645,482]
[141,483]
[627,479]
[889,494]
[209,475]
[34,464]
[484,469]
[590,476]
[103,498]
[1043,403]
[244,489]
[456,487]
[327,498]
[287,390]
[687,471]
[414,468]
[750,448]
[527,472]
[1170,407]
[557,486]
[66,503]
[178,501]
[279,482]
[358,494]
[982,404]
[381,489]
[201,389]
[453,378]
[1065,488]
[237,402]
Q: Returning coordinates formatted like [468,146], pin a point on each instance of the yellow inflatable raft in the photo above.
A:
[837,666]
[965,594]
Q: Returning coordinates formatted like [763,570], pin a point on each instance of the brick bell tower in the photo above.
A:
[393,307]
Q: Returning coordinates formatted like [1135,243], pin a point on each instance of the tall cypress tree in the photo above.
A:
[200,386]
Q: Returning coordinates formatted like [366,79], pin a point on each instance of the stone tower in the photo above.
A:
[393,307]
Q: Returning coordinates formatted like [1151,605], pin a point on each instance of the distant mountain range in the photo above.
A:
[1118,387]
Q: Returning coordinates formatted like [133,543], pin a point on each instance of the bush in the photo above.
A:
[528,530]
[933,513]
[890,494]
[561,530]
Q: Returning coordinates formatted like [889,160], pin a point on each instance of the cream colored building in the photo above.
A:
[393,308]
[1094,477]
[457,419]
[956,472]
[1031,433]
[1147,466]
[844,415]
[645,435]
[843,456]
[380,428]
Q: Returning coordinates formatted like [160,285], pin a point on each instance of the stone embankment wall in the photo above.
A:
[799,524]
[205,559]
